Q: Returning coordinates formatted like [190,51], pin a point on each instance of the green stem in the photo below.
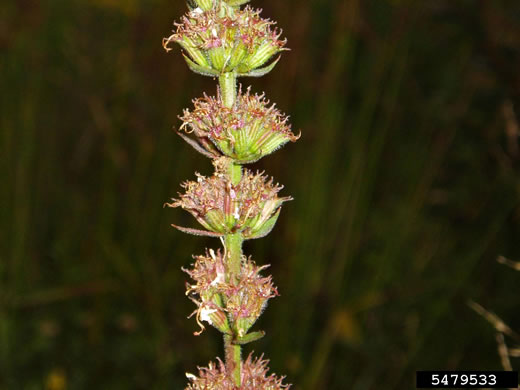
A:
[228,88]
[232,242]
[233,245]
[233,359]
[235,173]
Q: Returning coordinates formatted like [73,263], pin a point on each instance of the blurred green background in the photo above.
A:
[406,185]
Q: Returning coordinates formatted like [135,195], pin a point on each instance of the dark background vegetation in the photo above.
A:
[406,186]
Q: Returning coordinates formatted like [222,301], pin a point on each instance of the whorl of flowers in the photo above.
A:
[220,295]
[224,39]
[253,377]
[248,131]
[250,207]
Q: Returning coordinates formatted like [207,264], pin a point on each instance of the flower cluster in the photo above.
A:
[253,377]
[250,207]
[246,132]
[221,296]
[222,39]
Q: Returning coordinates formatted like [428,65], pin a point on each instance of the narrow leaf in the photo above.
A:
[261,71]
[197,232]
[249,338]
[197,146]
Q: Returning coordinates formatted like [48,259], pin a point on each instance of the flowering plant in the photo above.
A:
[235,204]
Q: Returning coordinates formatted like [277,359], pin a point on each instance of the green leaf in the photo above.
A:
[197,232]
[249,338]
[198,147]
[261,71]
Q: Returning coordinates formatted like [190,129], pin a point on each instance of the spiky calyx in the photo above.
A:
[250,207]
[246,132]
[254,376]
[223,39]
[220,295]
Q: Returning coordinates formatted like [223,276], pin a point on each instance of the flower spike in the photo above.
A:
[235,127]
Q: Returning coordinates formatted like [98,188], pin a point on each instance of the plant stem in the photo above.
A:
[233,245]
[233,359]
[232,242]
[228,88]
[235,173]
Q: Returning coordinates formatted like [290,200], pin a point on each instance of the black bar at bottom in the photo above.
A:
[466,379]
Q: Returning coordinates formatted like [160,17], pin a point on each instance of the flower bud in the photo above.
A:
[222,39]
[248,131]
[250,207]
[253,375]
